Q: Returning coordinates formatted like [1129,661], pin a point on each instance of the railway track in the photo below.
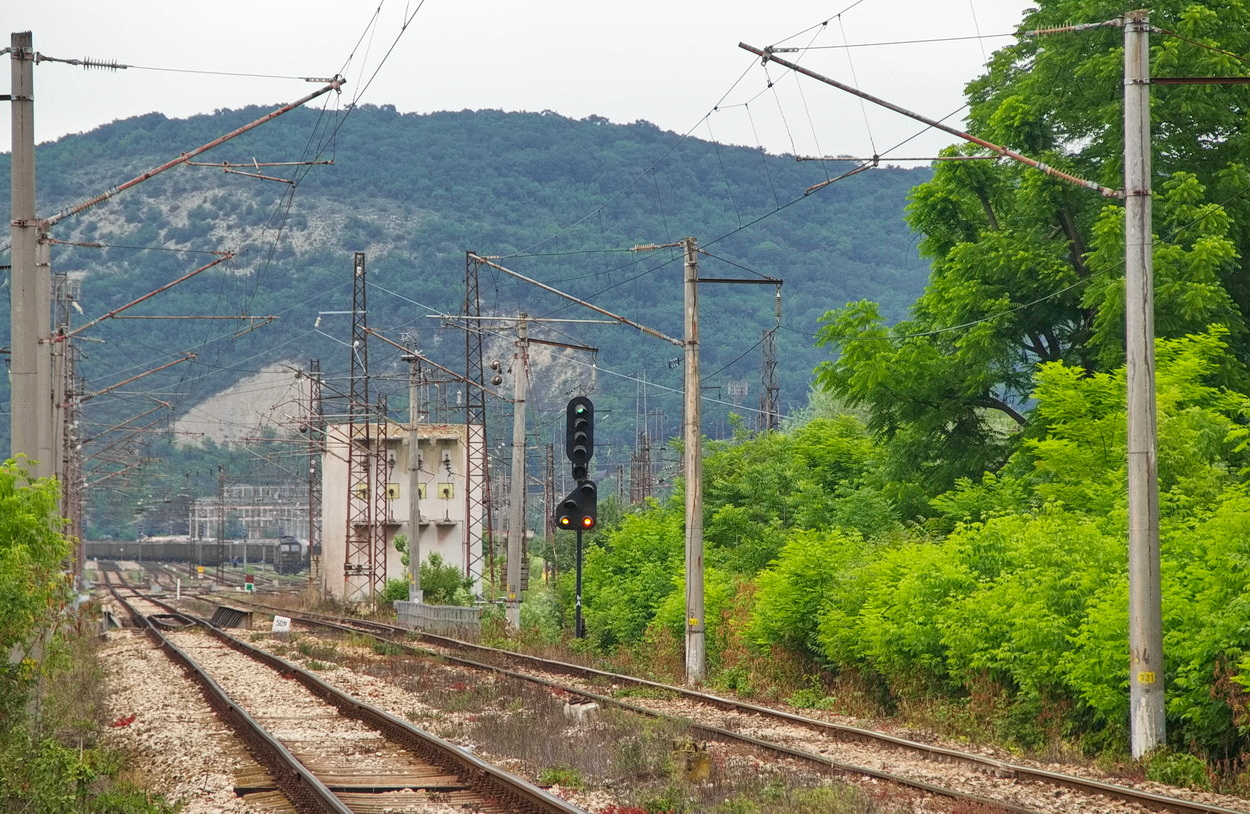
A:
[846,751]
[322,750]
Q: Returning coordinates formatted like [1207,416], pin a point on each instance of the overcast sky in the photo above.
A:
[670,62]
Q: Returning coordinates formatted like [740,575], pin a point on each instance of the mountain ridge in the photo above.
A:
[560,200]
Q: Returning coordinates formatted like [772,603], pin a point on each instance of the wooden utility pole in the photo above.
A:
[1147,720]
[516,498]
[692,435]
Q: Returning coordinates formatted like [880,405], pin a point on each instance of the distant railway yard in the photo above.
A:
[379,718]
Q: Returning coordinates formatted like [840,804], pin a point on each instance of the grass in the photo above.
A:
[388,649]
[619,750]
[563,776]
[321,651]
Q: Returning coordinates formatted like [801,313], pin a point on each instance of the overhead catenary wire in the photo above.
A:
[769,56]
[408,19]
[778,209]
[896,43]
[1243,192]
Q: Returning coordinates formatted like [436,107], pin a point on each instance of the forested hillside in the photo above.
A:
[558,200]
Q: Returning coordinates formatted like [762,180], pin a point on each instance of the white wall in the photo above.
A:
[442,504]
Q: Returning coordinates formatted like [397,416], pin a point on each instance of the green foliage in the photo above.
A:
[442,583]
[1030,594]
[317,650]
[396,590]
[564,776]
[1206,614]
[401,545]
[37,771]
[1178,769]
[1028,269]
[760,493]
[34,587]
[541,611]
[937,428]
[670,614]
[1193,258]
[810,574]
[50,778]
[625,581]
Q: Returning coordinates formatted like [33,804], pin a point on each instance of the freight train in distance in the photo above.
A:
[286,554]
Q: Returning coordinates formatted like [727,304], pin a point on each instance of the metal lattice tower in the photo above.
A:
[770,408]
[383,466]
[221,524]
[640,470]
[67,412]
[770,398]
[478,564]
[361,580]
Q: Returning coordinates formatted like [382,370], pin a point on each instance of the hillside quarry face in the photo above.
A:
[274,399]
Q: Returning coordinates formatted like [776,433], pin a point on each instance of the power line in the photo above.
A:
[848,45]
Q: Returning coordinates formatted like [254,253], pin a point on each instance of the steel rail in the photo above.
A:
[301,787]
[484,777]
[712,732]
[989,765]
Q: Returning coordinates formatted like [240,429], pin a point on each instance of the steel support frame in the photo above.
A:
[479,545]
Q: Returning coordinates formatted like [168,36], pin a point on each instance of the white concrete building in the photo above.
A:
[442,500]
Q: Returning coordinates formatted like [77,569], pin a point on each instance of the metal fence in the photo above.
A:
[445,620]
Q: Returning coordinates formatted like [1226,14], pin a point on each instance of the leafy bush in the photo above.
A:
[1025,597]
[47,777]
[813,570]
[626,580]
[38,772]
[33,587]
[396,590]
[1177,769]
[443,583]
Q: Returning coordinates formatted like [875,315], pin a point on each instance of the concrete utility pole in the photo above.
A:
[516,496]
[415,594]
[49,408]
[28,324]
[1147,720]
[692,435]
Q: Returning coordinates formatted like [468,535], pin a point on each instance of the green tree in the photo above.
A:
[1028,592]
[627,578]
[442,583]
[38,772]
[34,585]
[1028,269]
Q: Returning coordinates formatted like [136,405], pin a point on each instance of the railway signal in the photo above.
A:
[580,509]
[579,435]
